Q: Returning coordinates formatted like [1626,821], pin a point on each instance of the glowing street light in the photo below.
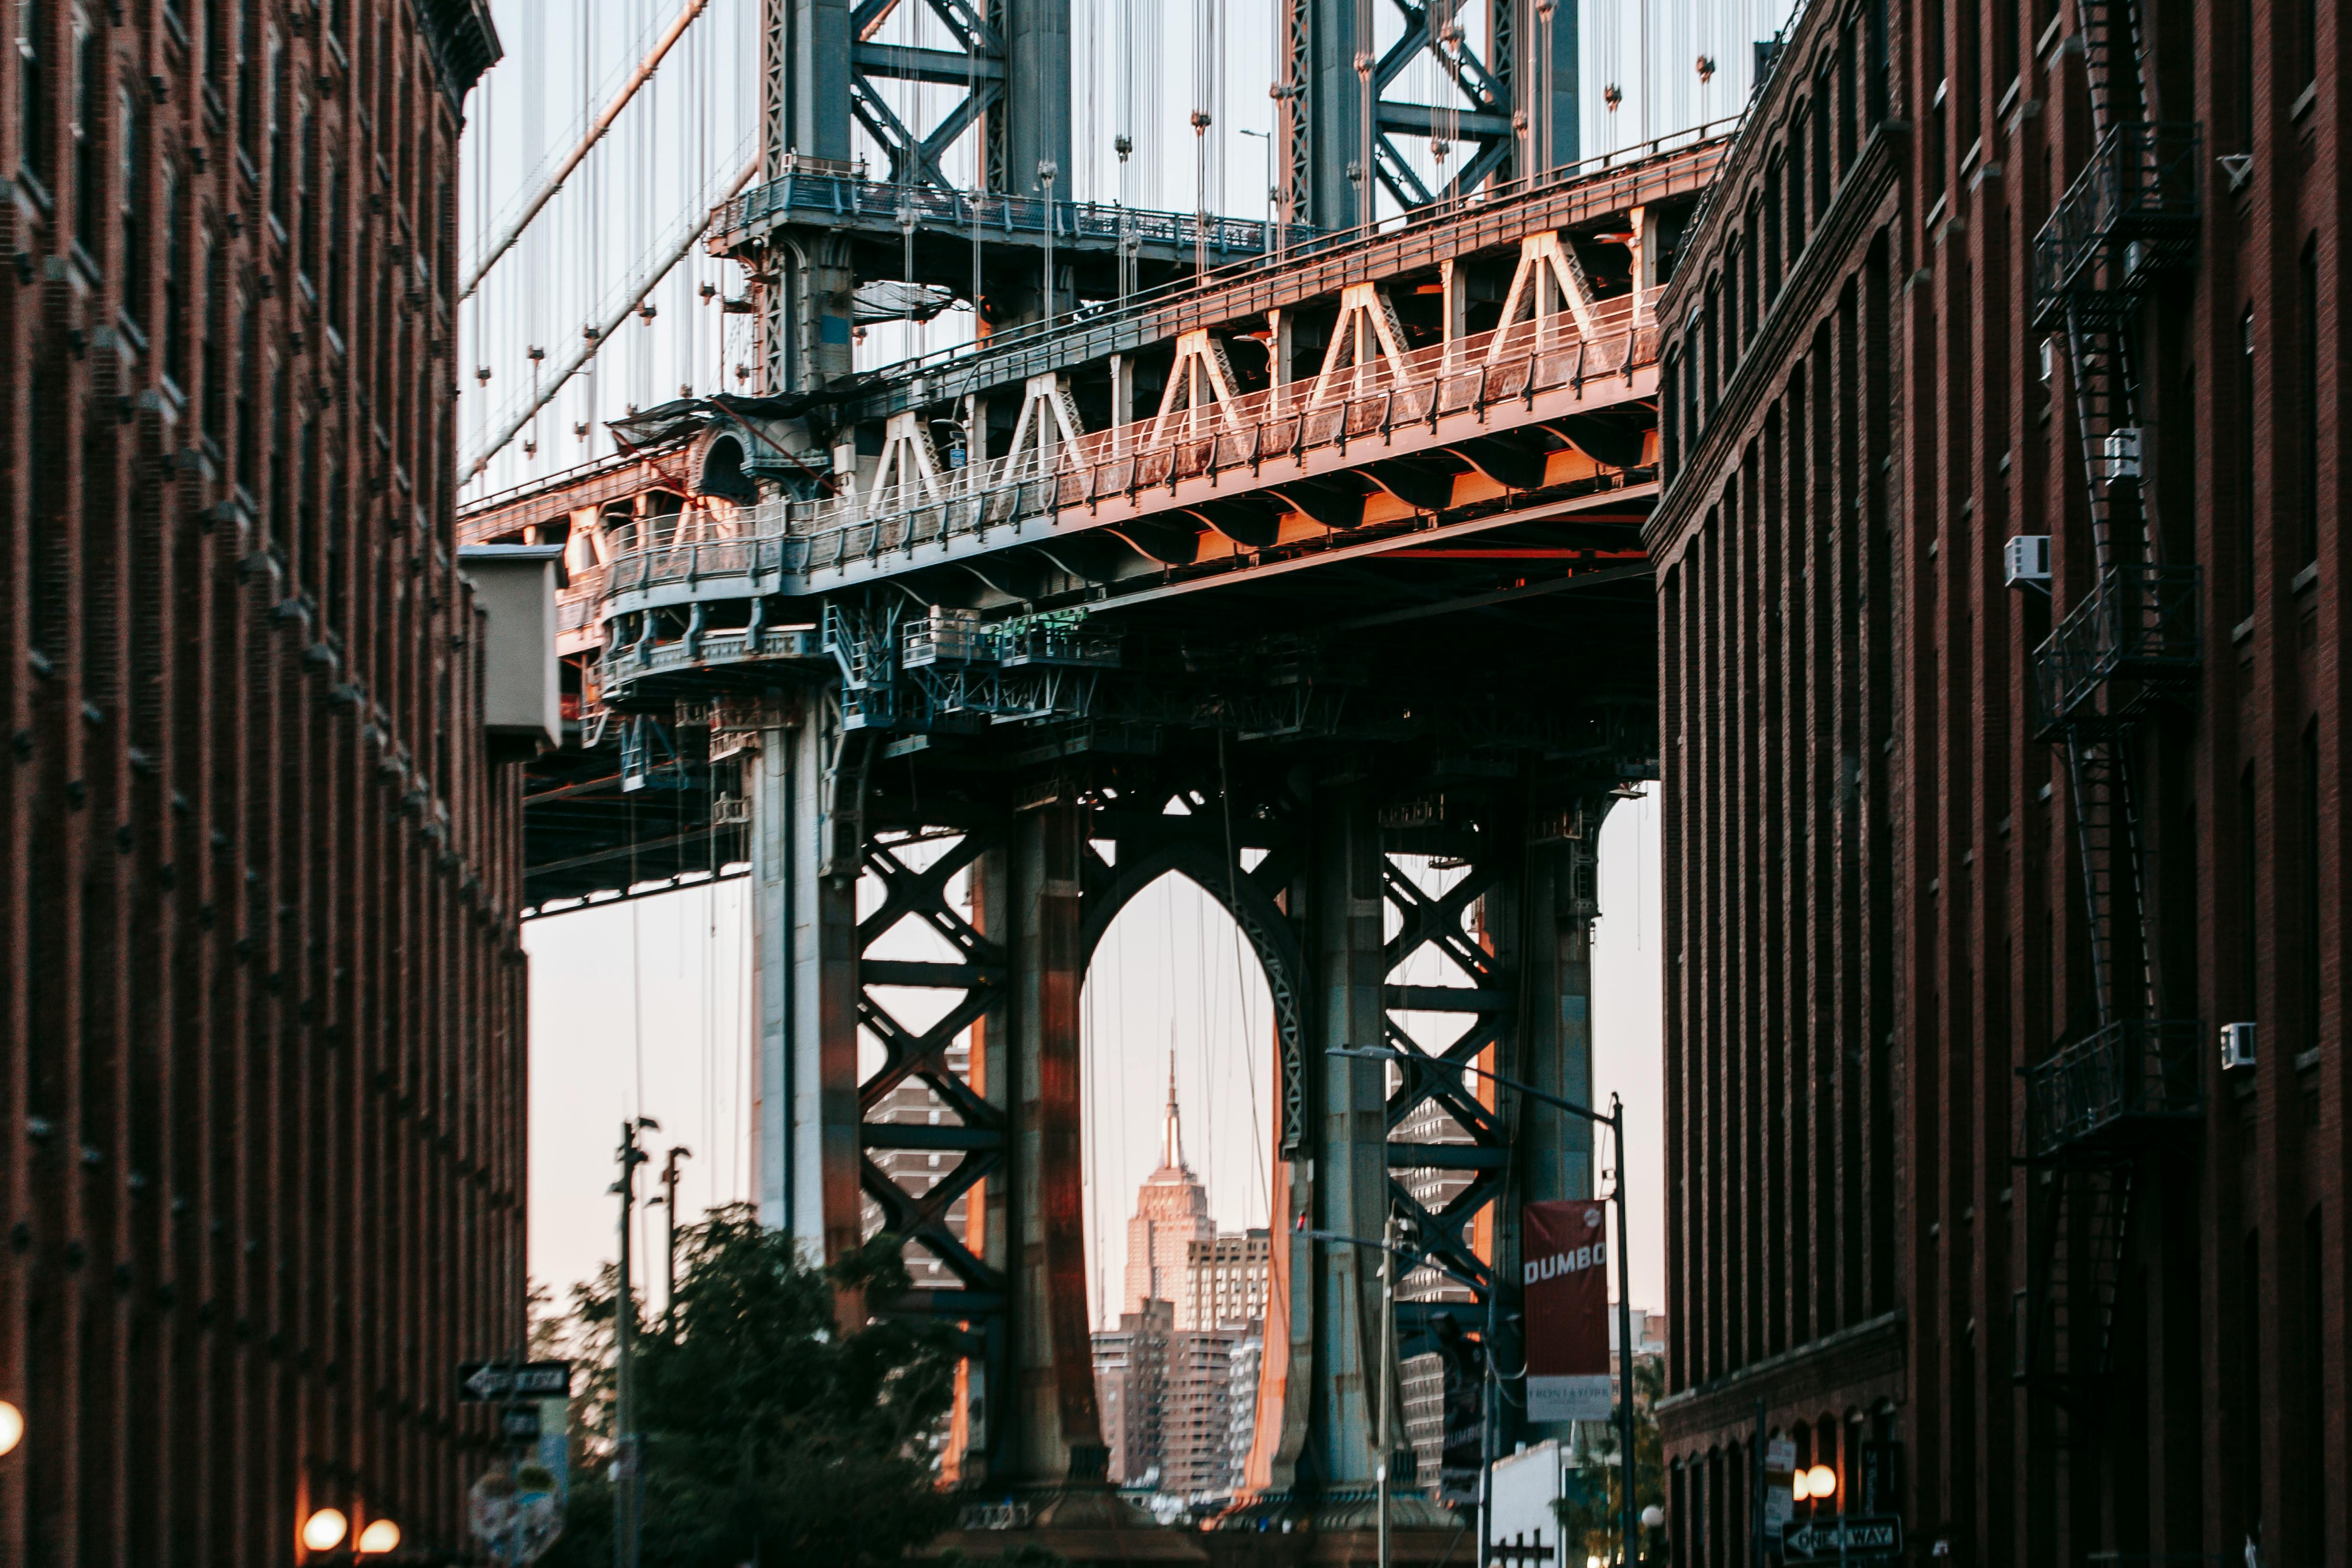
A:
[323,1531]
[12,1427]
[380,1535]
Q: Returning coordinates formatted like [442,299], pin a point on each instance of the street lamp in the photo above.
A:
[1615,1121]
[380,1535]
[323,1531]
[1266,137]
[12,1427]
[1046,170]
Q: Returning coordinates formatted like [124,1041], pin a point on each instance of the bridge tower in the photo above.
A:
[1337,122]
[1315,578]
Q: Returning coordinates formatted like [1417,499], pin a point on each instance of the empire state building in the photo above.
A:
[1172,1212]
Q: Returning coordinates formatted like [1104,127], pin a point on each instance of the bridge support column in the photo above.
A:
[804,955]
[1323,1367]
[1054,1437]
[1542,933]
[1347,1189]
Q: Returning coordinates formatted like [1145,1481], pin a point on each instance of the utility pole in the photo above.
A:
[1388,1362]
[669,1236]
[1624,1337]
[1628,1516]
[629,1492]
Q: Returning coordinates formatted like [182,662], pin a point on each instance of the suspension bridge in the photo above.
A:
[1296,556]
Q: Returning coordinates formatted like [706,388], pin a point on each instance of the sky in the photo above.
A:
[642,1007]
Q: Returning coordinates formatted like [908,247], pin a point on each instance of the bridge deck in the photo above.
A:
[1209,491]
[1245,292]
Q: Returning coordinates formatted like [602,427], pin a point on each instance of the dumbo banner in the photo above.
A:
[1566,1282]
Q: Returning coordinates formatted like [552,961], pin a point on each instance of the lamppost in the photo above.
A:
[1615,1121]
[628,1489]
[1046,170]
[1386,1444]
[1267,137]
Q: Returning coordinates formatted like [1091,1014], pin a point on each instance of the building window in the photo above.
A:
[248,86]
[2245,104]
[2250,872]
[89,60]
[2307,398]
[306,243]
[281,172]
[2246,463]
[330,248]
[32,86]
[129,155]
[176,285]
[214,393]
[2312,914]
[248,366]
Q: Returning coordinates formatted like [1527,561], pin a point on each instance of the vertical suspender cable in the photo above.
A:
[594,132]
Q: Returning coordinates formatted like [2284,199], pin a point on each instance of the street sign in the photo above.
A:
[520,1423]
[1882,1476]
[1780,1454]
[1845,1536]
[495,1382]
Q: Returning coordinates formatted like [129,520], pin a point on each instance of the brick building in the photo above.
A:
[1963,878]
[261,1102]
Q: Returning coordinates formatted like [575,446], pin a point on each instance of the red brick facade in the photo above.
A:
[261,1136]
[1878,916]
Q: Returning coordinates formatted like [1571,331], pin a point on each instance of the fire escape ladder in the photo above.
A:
[2113,48]
[2105,415]
[2109,839]
[2130,639]
[2077,1263]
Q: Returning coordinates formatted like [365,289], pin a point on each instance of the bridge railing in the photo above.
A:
[1311,413]
[838,195]
[1652,169]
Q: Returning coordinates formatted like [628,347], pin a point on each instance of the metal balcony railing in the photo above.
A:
[2130,1078]
[2139,635]
[2131,214]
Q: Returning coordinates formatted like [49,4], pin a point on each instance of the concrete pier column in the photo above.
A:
[1055,1433]
[804,958]
[1557,1148]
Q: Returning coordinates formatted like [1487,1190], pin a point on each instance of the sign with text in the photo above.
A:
[485,1382]
[1565,1278]
[1780,1484]
[1845,1535]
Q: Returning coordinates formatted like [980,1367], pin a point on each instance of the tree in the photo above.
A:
[770,1435]
[1591,1519]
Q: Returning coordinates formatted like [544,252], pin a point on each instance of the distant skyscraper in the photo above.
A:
[1177,1380]
[1172,1212]
[1131,1390]
[1240,1409]
[1225,1281]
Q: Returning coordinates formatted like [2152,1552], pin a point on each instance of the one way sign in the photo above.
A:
[488,1382]
[1847,1535]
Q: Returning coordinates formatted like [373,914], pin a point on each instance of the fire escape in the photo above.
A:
[2103,1104]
